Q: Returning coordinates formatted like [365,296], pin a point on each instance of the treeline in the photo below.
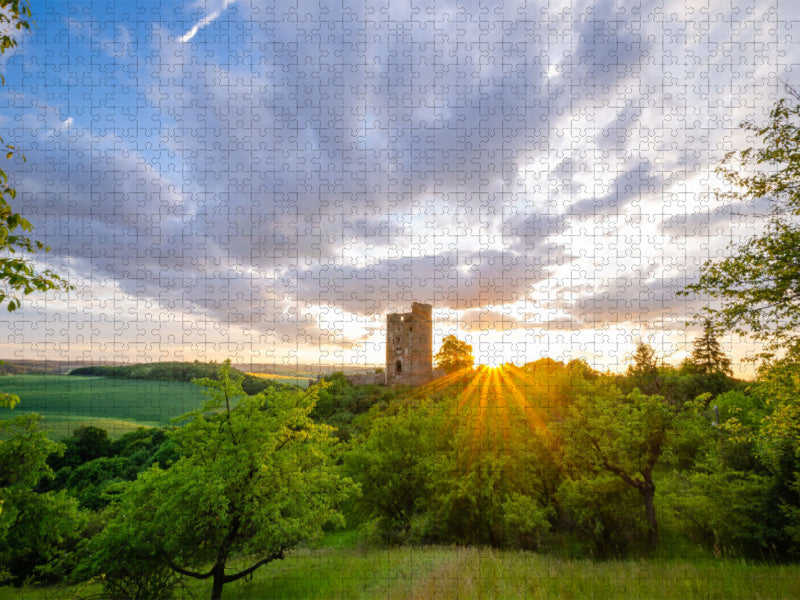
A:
[174,371]
[552,457]
[557,458]
[160,371]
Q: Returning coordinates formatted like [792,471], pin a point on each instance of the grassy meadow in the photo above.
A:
[117,405]
[428,572]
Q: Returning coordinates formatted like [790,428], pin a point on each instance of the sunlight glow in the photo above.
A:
[493,362]
[494,407]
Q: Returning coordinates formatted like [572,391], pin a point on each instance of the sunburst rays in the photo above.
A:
[488,408]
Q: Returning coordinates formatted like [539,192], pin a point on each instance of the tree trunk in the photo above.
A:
[649,493]
[650,509]
[219,581]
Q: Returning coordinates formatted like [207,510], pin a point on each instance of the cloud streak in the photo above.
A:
[205,21]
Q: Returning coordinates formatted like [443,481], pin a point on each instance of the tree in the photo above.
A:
[454,355]
[393,464]
[758,285]
[623,437]
[17,275]
[35,529]
[644,368]
[255,478]
[707,356]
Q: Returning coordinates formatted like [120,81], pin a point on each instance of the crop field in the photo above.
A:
[117,405]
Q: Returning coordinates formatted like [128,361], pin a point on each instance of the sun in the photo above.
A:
[491,356]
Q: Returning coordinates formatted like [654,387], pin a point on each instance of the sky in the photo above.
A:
[225,179]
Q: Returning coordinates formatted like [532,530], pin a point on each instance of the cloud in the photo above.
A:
[207,20]
[361,160]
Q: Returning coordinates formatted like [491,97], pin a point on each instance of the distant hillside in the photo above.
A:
[161,371]
[312,371]
[174,371]
[14,366]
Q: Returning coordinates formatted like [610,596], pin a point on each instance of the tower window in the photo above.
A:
[398,367]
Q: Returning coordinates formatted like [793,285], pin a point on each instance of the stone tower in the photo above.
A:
[409,346]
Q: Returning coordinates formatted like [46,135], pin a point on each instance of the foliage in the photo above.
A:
[721,509]
[643,369]
[604,513]
[255,477]
[758,285]
[454,355]
[607,437]
[429,473]
[778,389]
[174,371]
[85,444]
[392,463]
[707,356]
[552,385]
[18,275]
[161,371]
[35,528]
[488,496]
[91,464]
[128,561]
[340,402]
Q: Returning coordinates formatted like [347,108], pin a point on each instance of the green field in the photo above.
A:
[117,405]
[471,573]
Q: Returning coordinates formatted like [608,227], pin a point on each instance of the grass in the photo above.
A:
[117,405]
[472,573]
[429,572]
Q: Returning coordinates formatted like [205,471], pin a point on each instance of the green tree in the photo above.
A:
[256,477]
[35,529]
[623,438]
[393,464]
[644,368]
[491,486]
[758,285]
[18,276]
[707,356]
[454,355]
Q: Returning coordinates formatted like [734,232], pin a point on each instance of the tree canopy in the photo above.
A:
[35,529]
[255,478]
[643,368]
[758,284]
[707,356]
[18,276]
[624,438]
[454,355]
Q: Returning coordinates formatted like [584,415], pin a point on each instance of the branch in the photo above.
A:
[616,470]
[188,573]
[275,556]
